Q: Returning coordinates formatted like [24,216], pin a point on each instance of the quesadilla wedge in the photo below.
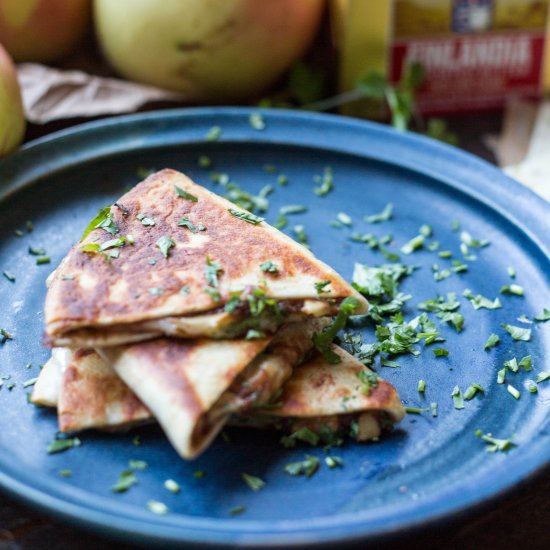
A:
[170,258]
[340,398]
[192,387]
[46,389]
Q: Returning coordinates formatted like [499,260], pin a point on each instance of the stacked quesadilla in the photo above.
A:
[179,306]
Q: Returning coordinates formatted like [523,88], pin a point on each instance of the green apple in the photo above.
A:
[210,50]
[42,30]
[12,116]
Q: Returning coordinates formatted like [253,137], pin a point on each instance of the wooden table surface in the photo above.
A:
[520,519]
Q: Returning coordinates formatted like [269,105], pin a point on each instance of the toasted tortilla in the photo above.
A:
[192,387]
[96,301]
[321,395]
[45,391]
[92,396]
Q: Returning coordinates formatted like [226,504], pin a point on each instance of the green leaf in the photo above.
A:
[186,222]
[165,243]
[441,352]
[157,507]
[172,486]
[59,445]
[213,134]
[301,236]
[544,316]
[320,286]
[516,290]
[334,461]
[147,221]
[256,121]
[383,216]
[494,445]
[518,333]
[306,467]
[303,434]
[255,483]
[325,182]
[479,301]
[125,480]
[526,363]
[492,341]
[184,194]
[103,216]
[269,267]
[246,216]
[458,400]
[212,271]
[292,209]
[513,391]
[414,244]
[543,377]
[9,276]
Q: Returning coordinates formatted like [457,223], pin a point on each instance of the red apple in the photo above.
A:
[211,50]
[12,116]
[42,30]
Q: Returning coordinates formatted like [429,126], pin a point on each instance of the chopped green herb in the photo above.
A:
[292,209]
[323,340]
[433,407]
[320,286]
[383,216]
[334,461]
[511,272]
[415,410]
[526,363]
[165,243]
[531,387]
[9,276]
[246,216]
[544,316]
[513,391]
[421,386]
[186,222]
[199,474]
[426,230]
[516,290]
[512,364]
[389,363]
[525,319]
[254,334]
[157,507]
[543,376]
[414,244]
[125,480]
[237,510]
[136,441]
[102,220]
[59,445]
[18,232]
[325,182]
[282,180]
[172,486]
[306,467]
[30,382]
[37,251]
[445,254]
[255,483]
[5,335]
[148,221]
[269,267]
[301,236]
[213,134]
[468,240]
[303,434]
[494,444]
[256,121]
[29,225]
[369,380]
[518,333]
[204,161]
[441,352]
[479,301]
[458,400]
[184,194]
[212,271]
[43,260]
[65,473]
[137,464]
[433,246]
[344,218]
[471,391]
[492,341]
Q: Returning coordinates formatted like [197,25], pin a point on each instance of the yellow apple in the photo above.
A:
[12,117]
[42,30]
[211,50]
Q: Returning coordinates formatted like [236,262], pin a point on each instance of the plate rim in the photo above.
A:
[416,150]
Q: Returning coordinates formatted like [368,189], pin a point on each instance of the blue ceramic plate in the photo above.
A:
[427,469]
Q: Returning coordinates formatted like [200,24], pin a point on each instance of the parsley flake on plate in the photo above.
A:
[255,483]
[9,276]
[383,216]
[494,444]
[479,301]
[518,333]
[213,134]
[172,486]
[303,434]
[126,479]
[492,341]
[306,467]
[157,507]
[458,400]
[59,445]
[325,182]
[256,121]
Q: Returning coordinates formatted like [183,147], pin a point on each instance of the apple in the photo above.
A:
[42,30]
[210,50]
[12,116]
